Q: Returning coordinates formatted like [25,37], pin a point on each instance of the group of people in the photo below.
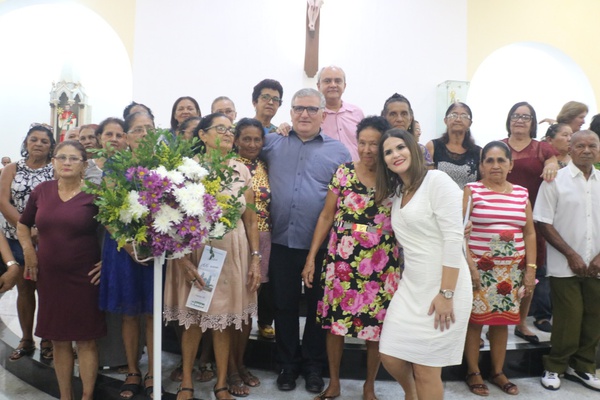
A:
[413,248]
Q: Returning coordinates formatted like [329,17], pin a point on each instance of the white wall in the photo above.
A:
[36,41]
[226,47]
[207,48]
[538,73]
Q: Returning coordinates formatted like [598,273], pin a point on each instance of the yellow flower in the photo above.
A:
[212,187]
[225,221]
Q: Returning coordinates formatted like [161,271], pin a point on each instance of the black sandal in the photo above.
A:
[23,350]
[134,388]
[149,390]
[182,389]
[47,351]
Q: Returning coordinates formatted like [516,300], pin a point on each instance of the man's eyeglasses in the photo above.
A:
[464,117]
[312,111]
[267,98]
[222,129]
[523,117]
[72,159]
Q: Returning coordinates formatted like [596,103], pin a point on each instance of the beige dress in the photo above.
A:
[232,302]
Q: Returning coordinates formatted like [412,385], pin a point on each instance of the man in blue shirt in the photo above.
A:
[300,168]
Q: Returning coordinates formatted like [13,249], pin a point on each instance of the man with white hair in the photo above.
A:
[341,117]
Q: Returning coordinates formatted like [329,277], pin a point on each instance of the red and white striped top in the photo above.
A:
[497,215]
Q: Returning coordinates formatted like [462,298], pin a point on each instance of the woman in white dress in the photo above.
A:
[425,325]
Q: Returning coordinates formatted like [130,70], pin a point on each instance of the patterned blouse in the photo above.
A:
[262,191]
[26,179]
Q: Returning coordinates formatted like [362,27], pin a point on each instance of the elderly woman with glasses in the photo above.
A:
[534,162]
[455,152]
[234,299]
[16,183]
[65,264]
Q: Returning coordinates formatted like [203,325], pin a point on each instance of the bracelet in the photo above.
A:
[11,263]
[532,266]
[256,253]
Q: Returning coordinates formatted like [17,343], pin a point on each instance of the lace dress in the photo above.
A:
[233,303]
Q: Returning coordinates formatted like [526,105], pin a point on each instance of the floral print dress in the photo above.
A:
[497,247]
[362,267]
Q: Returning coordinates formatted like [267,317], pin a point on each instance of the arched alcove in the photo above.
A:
[38,41]
[534,72]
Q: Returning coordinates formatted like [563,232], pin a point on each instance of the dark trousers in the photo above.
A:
[541,303]
[576,324]
[266,311]
[285,268]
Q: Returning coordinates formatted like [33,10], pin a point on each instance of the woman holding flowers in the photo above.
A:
[362,267]
[502,250]
[126,287]
[66,267]
[234,299]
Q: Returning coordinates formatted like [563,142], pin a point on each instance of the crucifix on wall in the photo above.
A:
[311,51]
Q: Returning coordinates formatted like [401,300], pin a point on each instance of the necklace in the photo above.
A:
[497,191]
[73,193]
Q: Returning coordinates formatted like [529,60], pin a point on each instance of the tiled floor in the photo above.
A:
[12,388]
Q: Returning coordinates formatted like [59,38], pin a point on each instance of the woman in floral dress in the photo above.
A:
[502,263]
[362,267]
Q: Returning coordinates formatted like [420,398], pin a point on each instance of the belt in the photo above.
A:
[362,228]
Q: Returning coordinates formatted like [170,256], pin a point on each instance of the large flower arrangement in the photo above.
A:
[163,198]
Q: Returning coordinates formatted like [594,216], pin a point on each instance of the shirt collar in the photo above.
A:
[318,136]
[574,170]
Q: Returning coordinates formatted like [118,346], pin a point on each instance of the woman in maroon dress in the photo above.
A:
[66,267]
[534,162]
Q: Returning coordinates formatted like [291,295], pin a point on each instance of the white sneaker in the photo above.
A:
[588,380]
[550,380]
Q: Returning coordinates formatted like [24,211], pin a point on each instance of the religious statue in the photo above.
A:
[67,119]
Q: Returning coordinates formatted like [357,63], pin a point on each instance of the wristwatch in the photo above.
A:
[256,253]
[447,293]
[11,263]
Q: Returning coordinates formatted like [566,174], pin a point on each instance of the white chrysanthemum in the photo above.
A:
[137,209]
[181,253]
[125,216]
[174,176]
[134,209]
[161,171]
[190,199]
[192,170]
[165,217]
[218,230]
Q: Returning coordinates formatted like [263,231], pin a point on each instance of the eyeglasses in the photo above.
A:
[140,130]
[267,98]
[464,117]
[312,111]
[41,125]
[523,117]
[72,159]
[222,129]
